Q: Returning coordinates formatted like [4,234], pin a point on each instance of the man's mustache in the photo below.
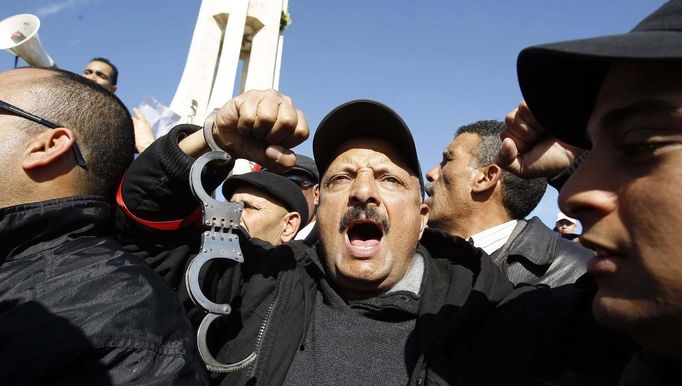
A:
[370,212]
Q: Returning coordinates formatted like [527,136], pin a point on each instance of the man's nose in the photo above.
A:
[364,189]
[588,195]
[433,173]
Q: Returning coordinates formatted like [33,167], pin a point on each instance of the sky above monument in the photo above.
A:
[440,64]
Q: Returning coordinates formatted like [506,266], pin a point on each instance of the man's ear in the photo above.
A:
[316,195]
[291,223]
[423,217]
[113,88]
[49,147]
[486,178]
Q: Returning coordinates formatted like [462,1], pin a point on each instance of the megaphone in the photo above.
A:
[19,35]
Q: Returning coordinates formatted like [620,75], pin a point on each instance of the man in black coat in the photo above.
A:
[370,303]
[74,307]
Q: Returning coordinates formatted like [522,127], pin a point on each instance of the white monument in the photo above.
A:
[234,41]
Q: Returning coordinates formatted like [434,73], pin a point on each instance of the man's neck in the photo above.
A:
[411,282]
[480,219]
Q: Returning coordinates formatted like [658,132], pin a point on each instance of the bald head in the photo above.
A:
[96,120]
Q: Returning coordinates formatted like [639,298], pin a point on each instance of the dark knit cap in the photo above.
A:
[274,185]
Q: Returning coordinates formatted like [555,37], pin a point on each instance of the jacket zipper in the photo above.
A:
[262,331]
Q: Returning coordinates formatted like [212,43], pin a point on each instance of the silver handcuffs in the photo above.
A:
[218,241]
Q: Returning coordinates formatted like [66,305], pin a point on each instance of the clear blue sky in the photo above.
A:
[439,63]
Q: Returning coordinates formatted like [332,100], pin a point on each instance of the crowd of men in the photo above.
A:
[350,274]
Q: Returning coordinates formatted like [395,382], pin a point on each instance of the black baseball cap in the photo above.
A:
[560,81]
[278,187]
[364,118]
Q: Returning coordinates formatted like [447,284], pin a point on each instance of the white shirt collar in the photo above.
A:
[305,231]
[493,238]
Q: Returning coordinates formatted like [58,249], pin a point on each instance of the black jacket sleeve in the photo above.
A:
[558,181]
[157,216]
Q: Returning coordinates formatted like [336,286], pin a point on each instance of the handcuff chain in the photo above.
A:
[218,241]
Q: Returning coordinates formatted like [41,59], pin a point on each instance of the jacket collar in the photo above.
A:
[462,285]
[31,228]
[533,243]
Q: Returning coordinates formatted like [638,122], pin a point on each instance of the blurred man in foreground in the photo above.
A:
[74,307]
[621,97]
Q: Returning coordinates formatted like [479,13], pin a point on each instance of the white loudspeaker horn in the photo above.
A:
[19,35]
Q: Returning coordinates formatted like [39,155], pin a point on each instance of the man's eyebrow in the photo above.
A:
[647,107]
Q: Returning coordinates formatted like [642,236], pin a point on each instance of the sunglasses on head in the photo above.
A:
[32,117]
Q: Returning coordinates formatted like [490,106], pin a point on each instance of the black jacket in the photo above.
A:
[534,254]
[463,323]
[76,309]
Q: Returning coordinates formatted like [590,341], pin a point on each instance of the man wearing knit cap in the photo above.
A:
[621,97]
[274,207]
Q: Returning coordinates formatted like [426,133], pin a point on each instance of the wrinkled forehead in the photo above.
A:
[368,151]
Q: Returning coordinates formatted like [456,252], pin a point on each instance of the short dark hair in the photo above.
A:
[114,70]
[100,121]
[519,196]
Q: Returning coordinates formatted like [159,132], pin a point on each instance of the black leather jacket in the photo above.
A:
[534,254]
[76,309]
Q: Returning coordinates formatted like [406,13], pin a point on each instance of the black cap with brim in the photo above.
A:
[364,118]
[305,167]
[276,186]
[560,81]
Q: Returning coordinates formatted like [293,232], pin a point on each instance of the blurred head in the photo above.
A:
[274,208]
[469,193]
[102,72]
[624,194]
[371,214]
[305,175]
[39,161]
[628,90]
[564,224]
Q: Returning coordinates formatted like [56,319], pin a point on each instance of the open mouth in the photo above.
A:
[364,238]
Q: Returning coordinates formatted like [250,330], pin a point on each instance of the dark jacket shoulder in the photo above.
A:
[77,309]
[538,255]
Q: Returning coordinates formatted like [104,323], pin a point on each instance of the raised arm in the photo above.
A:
[529,151]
